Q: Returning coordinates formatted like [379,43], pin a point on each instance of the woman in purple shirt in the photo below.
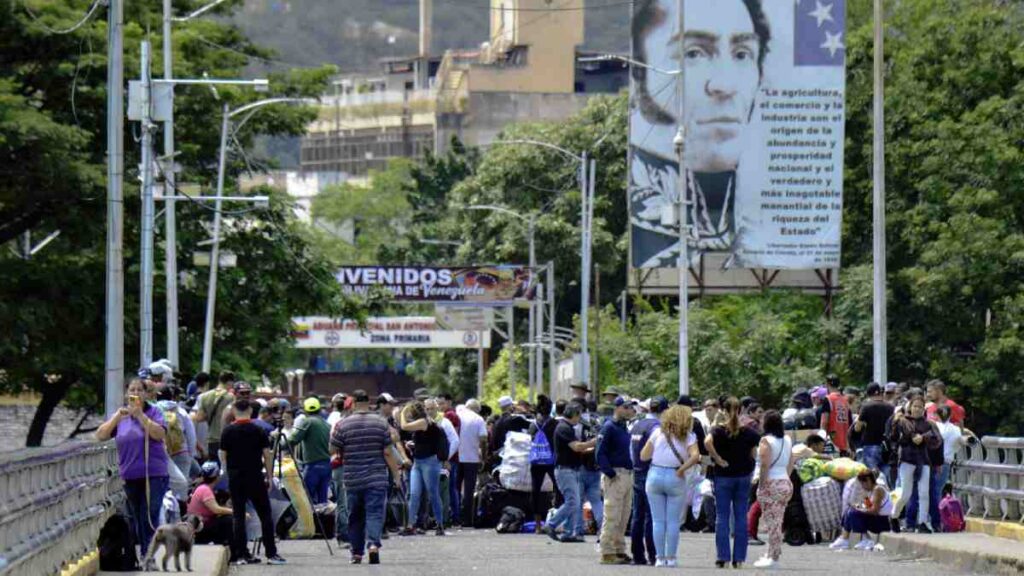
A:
[129,426]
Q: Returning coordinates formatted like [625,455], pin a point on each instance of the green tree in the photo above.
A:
[52,113]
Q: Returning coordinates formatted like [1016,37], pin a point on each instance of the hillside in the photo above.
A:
[354,34]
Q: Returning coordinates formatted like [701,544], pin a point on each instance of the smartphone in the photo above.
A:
[134,399]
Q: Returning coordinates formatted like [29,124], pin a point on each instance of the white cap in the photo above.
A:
[505,401]
[160,367]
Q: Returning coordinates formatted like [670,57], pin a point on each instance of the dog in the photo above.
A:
[177,539]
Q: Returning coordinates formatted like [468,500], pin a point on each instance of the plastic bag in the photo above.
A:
[810,469]
[514,473]
[843,469]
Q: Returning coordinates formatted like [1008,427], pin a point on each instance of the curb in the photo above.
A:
[1008,530]
[970,552]
[220,565]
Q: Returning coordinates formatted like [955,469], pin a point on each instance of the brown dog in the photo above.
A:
[176,539]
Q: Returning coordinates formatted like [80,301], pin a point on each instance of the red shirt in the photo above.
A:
[457,424]
[957,414]
[839,421]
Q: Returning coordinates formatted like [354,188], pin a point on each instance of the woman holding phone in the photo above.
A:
[139,429]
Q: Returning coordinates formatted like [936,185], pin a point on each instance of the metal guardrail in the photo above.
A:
[988,476]
[53,502]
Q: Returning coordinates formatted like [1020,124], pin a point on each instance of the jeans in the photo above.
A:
[184,462]
[641,531]
[940,475]
[590,491]
[467,476]
[426,475]
[454,511]
[341,500]
[907,485]
[366,517]
[135,490]
[250,488]
[666,494]
[570,512]
[317,478]
[731,500]
[871,456]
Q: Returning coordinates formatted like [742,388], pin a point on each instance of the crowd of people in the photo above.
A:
[610,465]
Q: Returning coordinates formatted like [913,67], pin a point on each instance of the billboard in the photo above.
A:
[763,110]
[391,332]
[484,285]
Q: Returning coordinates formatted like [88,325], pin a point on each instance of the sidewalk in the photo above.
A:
[206,561]
[967,551]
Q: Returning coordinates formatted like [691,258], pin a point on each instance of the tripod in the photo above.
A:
[279,447]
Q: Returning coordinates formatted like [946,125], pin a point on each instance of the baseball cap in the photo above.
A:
[339,397]
[211,470]
[311,405]
[160,367]
[874,389]
[623,401]
[659,404]
[421,394]
[360,396]
[242,387]
[891,386]
[505,401]
[819,392]
[385,398]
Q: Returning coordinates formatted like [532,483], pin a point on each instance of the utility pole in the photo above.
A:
[512,351]
[148,212]
[530,358]
[597,328]
[551,328]
[113,381]
[211,296]
[878,199]
[622,310]
[170,224]
[683,259]
[587,186]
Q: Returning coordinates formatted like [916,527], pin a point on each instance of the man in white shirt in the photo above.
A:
[472,445]
[338,412]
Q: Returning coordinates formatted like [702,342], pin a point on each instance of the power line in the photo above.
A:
[250,56]
[79,24]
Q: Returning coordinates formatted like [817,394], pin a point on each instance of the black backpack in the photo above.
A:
[117,546]
[511,522]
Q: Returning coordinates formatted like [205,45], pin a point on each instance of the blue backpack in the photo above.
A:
[540,450]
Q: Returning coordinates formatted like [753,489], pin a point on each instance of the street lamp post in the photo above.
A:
[211,295]
[586,177]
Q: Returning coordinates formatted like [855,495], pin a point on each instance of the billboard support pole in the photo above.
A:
[879,316]
[584,272]
[683,259]
[480,365]
[512,352]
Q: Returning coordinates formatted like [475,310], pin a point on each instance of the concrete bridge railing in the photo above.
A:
[53,502]
[989,478]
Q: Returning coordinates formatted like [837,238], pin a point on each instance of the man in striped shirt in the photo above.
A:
[362,440]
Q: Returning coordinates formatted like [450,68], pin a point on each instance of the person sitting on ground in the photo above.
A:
[217,523]
[870,516]
[812,447]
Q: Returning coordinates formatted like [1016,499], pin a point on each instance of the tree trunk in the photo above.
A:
[53,393]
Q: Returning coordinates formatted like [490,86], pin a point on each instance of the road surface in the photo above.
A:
[487,553]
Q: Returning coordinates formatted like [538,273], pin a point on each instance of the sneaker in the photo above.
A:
[374,553]
[865,544]
[252,560]
[356,560]
[439,532]
[407,532]
[625,556]
[755,542]
[571,539]
[737,565]
[924,529]
[276,560]
[766,563]
[659,563]
[343,545]
[840,544]
[719,563]
[671,563]
[384,535]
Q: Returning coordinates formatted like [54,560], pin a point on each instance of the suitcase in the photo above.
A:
[823,503]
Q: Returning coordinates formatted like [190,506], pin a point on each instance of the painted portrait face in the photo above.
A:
[720,57]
